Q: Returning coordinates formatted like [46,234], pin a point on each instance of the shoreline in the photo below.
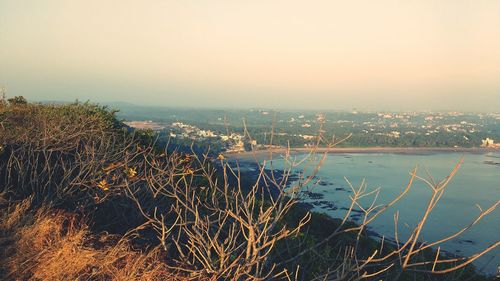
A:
[362,150]
[326,206]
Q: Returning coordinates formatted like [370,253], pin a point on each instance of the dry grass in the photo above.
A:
[55,245]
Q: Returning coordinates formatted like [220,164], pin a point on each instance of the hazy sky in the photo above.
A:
[395,55]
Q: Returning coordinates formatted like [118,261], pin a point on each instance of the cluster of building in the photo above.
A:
[186,131]
[235,142]
[490,143]
[303,127]
[392,134]
[422,123]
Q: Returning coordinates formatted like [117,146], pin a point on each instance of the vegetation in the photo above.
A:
[50,244]
[367,129]
[83,197]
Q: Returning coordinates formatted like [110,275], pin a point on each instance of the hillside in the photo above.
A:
[84,197]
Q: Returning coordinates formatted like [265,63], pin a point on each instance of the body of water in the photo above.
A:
[477,182]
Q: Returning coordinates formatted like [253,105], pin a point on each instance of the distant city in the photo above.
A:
[224,129]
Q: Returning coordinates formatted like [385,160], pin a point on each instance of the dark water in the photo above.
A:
[477,182]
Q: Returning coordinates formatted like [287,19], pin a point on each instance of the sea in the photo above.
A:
[475,186]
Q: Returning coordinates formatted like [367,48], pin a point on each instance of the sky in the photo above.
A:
[367,55]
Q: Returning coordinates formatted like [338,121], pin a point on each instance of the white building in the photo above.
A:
[488,142]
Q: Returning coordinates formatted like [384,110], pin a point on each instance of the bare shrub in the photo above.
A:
[55,151]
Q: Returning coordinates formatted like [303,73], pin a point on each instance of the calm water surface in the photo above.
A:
[475,183]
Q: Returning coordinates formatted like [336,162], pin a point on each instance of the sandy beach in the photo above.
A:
[353,150]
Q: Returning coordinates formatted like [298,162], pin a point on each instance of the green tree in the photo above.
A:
[18,100]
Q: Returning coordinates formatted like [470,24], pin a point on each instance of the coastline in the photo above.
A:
[363,150]
[320,205]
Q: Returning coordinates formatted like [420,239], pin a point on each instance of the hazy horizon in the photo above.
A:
[119,105]
[325,55]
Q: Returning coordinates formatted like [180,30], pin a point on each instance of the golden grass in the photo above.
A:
[54,245]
